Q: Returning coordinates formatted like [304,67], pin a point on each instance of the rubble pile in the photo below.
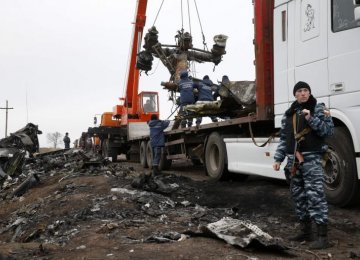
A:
[75,201]
[65,200]
[60,194]
[32,170]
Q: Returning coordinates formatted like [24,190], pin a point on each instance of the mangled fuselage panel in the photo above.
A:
[25,138]
[237,98]
[14,147]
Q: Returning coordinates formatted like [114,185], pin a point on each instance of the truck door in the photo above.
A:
[283,56]
[344,64]
[344,54]
[311,48]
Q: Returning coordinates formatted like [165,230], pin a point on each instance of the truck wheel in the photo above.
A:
[143,160]
[165,163]
[105,148]
[149,154]
[215,158]
[114,155]
[341,182]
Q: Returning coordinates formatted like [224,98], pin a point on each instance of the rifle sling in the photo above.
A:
[299,136]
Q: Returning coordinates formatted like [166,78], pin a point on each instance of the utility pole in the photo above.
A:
[6,120]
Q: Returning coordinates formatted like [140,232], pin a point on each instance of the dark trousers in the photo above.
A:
[156,151]
[185,113]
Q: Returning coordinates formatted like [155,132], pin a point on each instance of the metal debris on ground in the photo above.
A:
[241,233]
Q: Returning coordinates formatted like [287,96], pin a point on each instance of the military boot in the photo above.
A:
[305,233]
[322,239]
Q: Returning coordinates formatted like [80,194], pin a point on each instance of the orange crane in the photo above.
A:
[115,127]
[136,107]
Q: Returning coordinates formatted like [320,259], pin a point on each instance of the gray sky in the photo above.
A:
[63,61]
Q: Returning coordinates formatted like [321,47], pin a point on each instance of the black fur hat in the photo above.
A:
[299,85]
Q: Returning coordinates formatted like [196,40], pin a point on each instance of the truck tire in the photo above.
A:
[143,160]
[149,154]
[104,148]
[165,163]
[215,158]
[341,182]
[114,155]
[106,151]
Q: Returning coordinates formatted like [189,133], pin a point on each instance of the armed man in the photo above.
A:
[303,129]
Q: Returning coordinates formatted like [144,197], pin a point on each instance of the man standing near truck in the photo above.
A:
[157,141]
[303,129]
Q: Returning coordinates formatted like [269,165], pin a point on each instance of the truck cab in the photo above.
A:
[315,41]
[318,42]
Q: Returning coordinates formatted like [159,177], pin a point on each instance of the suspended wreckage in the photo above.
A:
[237,97]
[175,57]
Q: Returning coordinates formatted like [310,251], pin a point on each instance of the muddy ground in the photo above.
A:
[92,212]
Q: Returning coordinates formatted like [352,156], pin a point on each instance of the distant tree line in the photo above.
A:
[54,139]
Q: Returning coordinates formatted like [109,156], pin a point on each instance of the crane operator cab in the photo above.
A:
[149,102]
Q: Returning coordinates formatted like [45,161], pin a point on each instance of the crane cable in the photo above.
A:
[182,20]
[189,16]
[202,32]
[182,16]
[158,12]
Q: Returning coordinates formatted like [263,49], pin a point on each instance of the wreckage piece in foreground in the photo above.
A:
[242,233]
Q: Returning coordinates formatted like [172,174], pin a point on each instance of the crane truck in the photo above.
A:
[118,126]
[125,130]
[309,40]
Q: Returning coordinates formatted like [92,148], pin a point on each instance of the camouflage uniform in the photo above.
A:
[307,185]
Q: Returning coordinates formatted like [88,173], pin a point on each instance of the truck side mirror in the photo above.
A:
[95,120]
[357,13]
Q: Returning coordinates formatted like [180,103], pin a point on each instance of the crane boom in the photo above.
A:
[132,87]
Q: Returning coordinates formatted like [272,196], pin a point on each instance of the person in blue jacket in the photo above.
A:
[186,88]
[157,140]
[224,81]
[204,95]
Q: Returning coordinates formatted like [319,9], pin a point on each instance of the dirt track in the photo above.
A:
[75,215]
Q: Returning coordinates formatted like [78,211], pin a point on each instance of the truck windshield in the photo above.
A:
[343,15]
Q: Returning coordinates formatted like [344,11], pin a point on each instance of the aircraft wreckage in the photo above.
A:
[13,149]
[237,98]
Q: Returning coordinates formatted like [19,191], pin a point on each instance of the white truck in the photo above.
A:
[316,41]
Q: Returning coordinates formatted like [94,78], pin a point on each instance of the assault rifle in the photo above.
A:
[298,157]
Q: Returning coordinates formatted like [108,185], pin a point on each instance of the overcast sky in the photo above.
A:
[64,61]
